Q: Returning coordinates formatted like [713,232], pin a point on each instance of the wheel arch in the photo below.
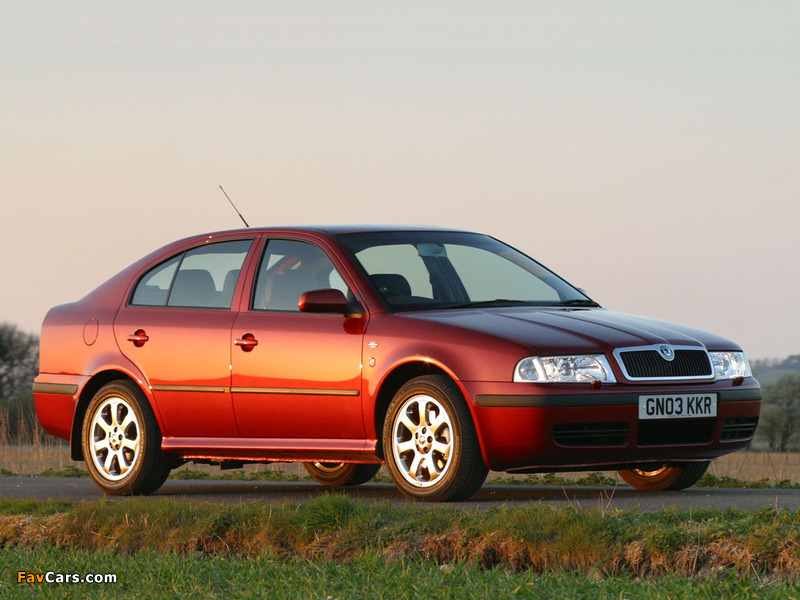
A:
[97,381]
[396,377]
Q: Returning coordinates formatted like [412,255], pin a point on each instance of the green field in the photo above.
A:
[158,576]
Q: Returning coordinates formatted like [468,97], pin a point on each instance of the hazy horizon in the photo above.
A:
[647,153]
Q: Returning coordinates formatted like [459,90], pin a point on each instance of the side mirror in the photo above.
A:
[325,301]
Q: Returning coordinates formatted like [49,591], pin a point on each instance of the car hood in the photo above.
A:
[569,330]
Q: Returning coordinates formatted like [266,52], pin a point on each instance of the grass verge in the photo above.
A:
[337,529]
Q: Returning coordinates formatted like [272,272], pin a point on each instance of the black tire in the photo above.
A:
[667,477]
[434,456]
[122,443]
[341,474]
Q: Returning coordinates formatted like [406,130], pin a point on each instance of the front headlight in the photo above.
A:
[564,369]
[730,365]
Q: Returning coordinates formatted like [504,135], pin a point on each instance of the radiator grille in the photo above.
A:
[648,364]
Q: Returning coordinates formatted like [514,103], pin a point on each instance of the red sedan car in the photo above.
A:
[440,353]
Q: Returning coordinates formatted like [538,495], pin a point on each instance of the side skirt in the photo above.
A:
[271,449]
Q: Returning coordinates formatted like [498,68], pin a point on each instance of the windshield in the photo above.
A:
[442,270]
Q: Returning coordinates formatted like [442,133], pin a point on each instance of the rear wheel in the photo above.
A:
[429,441]
[667,477]
[340,474]
[122,443]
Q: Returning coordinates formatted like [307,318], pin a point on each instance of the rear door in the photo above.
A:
[176,328]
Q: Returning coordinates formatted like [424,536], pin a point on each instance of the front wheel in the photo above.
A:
[339,474]
[429,442]
[122,443]
[666,477]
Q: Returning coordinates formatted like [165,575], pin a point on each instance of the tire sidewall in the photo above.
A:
[346,475]
[658,482]
[673,477]
[340,476]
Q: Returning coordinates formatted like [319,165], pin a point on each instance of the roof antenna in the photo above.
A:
[234,206]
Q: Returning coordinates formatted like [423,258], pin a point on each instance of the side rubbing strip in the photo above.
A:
[191,388]
[67,389]
[253,390]
[298,391]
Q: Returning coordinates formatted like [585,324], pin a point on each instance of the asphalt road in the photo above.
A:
[489,495]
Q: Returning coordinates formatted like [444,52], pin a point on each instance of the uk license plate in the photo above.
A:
[677,406]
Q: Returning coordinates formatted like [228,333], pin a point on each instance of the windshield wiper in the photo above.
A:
[491,303]
[579,302]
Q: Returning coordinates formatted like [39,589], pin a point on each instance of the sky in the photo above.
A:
[646,152]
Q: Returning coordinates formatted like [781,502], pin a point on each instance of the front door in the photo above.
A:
[296,375]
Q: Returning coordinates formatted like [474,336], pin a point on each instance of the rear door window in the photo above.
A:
[203,277]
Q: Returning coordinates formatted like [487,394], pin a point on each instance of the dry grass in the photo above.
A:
[755,466]
[30,459]
[26,449]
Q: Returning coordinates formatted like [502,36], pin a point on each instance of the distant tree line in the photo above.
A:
[19,364]
[779,425]
[791,362]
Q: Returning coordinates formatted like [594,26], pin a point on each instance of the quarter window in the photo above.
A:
[153,288]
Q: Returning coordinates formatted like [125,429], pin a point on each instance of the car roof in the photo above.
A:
[338,229]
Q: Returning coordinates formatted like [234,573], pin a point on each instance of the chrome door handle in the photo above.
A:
[138,337]
[247,342]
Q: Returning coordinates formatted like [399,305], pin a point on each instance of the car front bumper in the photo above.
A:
[537,428]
